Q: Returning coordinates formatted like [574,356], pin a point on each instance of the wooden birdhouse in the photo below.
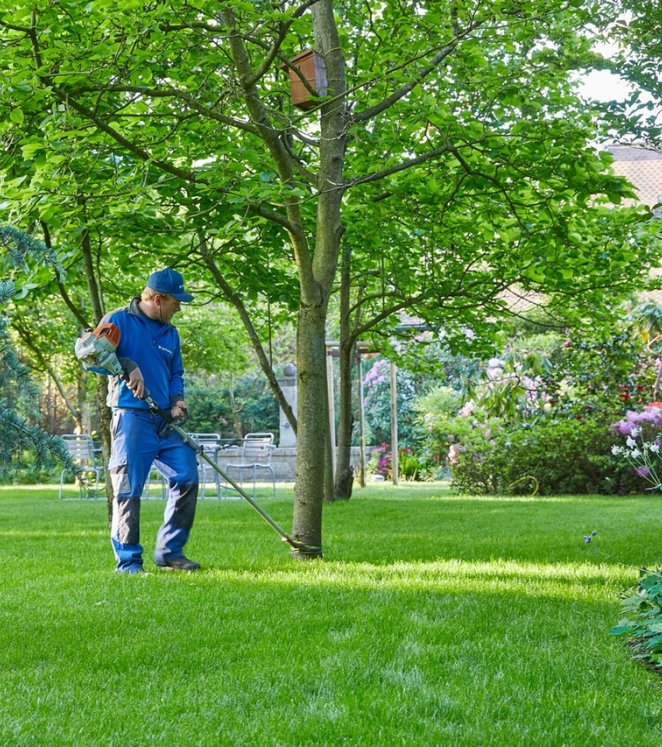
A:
[311,66]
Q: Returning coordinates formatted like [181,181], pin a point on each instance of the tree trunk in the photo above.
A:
[333,129]
[344,477]
[102,381]
[344,471]
[311,437]
[316,269]
[104,432]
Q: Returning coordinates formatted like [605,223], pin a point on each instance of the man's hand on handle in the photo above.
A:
[179,410]
[136,383]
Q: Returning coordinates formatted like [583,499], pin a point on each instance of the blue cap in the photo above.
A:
[171,282]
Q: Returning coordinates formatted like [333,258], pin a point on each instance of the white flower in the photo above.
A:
[616,450]
[635,431]
[630,442]
[635,453]
[655,448]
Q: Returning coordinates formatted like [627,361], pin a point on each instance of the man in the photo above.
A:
[150,354]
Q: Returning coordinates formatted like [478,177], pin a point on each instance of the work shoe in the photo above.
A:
[131,570]
[180,563]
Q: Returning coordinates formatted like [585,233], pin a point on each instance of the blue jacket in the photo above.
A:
[153,347]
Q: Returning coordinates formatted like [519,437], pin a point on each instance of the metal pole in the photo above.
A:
[394,424]
[361,422]
[332,410]
[199,450]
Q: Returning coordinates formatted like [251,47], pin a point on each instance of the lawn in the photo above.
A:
[433,620]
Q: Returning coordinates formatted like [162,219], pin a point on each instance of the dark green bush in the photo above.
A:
[549,457]
[642,608]
[244,407]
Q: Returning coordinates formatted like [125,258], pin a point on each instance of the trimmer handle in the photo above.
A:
[154,406]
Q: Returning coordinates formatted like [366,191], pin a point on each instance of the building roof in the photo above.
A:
[641,167]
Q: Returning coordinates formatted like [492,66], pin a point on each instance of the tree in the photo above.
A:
[457,273]
[638,60]
[19,432]
[192,104]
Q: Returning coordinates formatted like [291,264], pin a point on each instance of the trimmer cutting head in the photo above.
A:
[302,547]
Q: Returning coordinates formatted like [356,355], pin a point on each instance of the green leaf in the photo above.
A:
[620,629]
[29,149]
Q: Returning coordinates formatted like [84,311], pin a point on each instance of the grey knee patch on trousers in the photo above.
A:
[119,477]
[128,521]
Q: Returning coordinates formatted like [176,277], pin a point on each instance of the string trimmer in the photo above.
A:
[95,348]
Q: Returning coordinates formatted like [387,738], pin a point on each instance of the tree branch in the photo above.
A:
[275,48]
[376,175]
[236,300]
[273,216]
[142,153]
[373,111]
[63,291]
[13,27]
[281,158]
[167,93]
[28,341]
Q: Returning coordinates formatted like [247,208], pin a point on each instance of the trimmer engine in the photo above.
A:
[95,349]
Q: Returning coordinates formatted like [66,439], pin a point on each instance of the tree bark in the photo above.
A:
[104,432]
[101,381]
[311,332]
[329,441]
[310,458]
[344,477]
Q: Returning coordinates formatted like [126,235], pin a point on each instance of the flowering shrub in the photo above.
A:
[552,457]
[548,375]
[643,443]
[448,426]
[410,466]
[380,461]
[606,376]
[537,418]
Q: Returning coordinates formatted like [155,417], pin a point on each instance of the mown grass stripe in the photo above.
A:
[435,619]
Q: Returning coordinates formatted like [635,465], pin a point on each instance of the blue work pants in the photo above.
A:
[136,443]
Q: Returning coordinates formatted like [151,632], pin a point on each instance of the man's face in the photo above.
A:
[169,307]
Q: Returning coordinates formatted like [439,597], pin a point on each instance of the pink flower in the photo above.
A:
[650,415]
